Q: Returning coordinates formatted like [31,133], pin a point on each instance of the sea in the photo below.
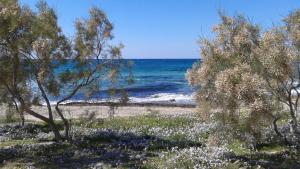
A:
[155,81]
[161,80]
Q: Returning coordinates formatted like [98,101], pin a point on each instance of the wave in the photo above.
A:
[168,98]
[164,98]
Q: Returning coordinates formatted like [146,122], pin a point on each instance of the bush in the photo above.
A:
[249,76]
[11,115]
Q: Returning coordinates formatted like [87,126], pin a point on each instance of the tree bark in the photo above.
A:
[50,113]
[294,125]
[48,121]
[65,121]
[275,127]
[21,113]
[45,98]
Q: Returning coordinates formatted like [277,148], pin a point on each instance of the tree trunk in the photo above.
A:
[55,131]
[22,118]
[21,113]
[65,121]
[25,108]
[275,127]
[50,122]
[294,125]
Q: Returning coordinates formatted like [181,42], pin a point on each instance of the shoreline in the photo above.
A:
[73,110]
[145,104]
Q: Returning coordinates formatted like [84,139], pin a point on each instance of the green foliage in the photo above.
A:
[248,75]
[137,121]
[33,47]
[152,149]
[238,148]
[10,115]
[9,143]
[228,77]
[273,148]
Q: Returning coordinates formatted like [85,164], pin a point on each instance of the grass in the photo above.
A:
[138,121]
[273,148]
[138,142]
[238,148]
[150,144]
[9,143]
[13,119]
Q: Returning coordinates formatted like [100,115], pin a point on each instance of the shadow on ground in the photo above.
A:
[108,148]
[104,148]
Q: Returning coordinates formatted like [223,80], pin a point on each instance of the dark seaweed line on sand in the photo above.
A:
[131,104]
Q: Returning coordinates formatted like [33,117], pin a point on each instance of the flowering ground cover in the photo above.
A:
[148,141]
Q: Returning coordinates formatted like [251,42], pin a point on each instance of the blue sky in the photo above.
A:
[167,28]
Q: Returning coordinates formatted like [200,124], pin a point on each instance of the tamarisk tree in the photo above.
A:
[227,77]
[250,77]
[280,60]
[38,62]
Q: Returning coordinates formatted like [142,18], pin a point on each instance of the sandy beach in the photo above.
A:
[103,111]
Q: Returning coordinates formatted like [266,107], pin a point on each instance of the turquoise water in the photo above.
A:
[158,76]
[155,80]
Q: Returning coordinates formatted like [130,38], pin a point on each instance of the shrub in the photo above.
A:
[248,77]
